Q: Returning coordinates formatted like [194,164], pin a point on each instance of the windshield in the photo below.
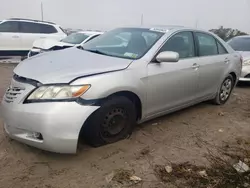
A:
[130,43]
[240,43]
[75,38]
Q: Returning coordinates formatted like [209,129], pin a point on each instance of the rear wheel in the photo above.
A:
[113,121]
[225,91]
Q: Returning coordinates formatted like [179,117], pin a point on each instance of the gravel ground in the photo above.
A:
[175,137]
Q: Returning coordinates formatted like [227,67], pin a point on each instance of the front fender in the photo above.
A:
[106,84]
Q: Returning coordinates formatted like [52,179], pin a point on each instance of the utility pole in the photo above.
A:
[42,10]
[142,19]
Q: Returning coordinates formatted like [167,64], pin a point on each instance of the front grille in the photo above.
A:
[12,93]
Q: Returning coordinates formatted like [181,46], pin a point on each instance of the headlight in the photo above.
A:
[246,62]
[58,92]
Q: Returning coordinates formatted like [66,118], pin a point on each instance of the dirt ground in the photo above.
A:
[175,137]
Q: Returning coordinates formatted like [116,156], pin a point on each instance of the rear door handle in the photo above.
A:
[195,66]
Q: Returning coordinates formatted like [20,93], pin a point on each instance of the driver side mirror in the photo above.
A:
[168,56]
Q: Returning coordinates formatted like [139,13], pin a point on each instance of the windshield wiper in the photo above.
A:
[97,52]
[80,47]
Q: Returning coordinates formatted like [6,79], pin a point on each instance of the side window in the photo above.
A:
[47,29]
[207,44]
[221,49]
[183,43]
[29,27]
[9,26]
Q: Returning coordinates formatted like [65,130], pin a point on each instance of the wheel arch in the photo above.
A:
[233,74]
[132,97]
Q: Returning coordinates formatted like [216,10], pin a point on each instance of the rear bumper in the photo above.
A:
[58,123]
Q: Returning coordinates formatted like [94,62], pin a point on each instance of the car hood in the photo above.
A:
[49,43]
[245,54]
[63,66]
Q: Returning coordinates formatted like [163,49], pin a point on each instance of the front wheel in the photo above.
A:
[113,121]
[225,91]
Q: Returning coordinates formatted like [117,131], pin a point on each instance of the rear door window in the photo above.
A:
[30,27]
[221,49]
[207,44]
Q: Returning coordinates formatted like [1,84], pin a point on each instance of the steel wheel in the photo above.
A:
[113,123]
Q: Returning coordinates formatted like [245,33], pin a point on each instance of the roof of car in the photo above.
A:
[30,20]
[91,32]
[165,28]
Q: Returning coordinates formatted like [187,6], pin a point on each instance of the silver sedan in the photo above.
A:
[125,76]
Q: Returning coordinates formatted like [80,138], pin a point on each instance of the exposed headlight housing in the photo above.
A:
[246,62]
[57,92]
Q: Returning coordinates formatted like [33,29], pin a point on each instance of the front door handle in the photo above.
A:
[15,36]
[226,60]
[195,66]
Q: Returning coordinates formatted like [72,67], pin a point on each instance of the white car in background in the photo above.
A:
[18,35]
[74,39]
[241,44]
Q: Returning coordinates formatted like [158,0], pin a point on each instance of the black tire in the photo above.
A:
[219,99]
[104,126]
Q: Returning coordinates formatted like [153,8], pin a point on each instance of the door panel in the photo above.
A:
[28,39]
[9,36]
[212,61]
[210,74]
[32,31]
[10,41]
[171,85]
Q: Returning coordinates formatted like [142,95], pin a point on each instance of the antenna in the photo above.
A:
[196,23]
[42,10]
[142,19]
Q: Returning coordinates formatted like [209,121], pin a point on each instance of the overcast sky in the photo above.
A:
[105,14]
